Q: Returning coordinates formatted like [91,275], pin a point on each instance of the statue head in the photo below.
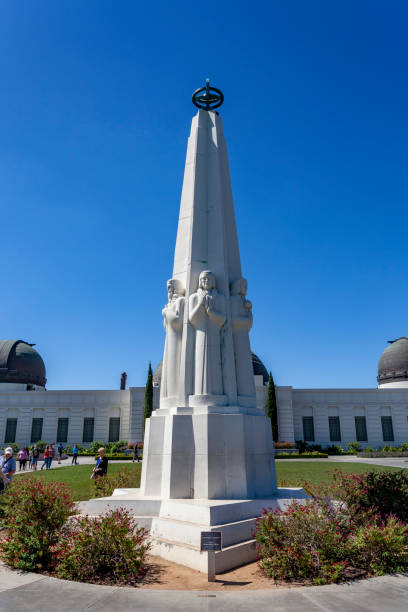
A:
[239,286]
[206,280]
[174,288]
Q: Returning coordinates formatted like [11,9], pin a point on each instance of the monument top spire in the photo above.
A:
[210,100]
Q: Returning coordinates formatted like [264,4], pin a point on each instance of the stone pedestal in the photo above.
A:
[206,454]
[175,525]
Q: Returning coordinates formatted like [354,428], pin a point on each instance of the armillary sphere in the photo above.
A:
[208,98]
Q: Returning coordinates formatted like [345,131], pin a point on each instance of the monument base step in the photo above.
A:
[175,525]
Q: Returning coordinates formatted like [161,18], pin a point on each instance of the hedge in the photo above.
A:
[314,455]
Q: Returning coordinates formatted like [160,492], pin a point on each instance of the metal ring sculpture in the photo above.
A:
[210,100]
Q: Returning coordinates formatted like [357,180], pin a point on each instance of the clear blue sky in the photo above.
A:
[95,111]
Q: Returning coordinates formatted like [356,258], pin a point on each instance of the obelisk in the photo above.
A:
[208,439]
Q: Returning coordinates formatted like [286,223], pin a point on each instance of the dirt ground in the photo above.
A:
[164,574]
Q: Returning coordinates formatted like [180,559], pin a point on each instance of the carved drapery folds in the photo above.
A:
[173,324]
[207,314]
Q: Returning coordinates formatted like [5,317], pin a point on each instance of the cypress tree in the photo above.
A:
[271,408]
[148,400]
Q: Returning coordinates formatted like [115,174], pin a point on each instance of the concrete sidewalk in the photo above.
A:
[25,592]
[384,461]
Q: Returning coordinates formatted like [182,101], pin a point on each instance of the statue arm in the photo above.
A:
[196,310]
[218,317]
[175,315]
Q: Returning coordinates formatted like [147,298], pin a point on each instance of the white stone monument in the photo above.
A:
[208,459]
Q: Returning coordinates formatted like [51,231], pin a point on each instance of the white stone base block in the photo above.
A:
[175,525]
[208,455]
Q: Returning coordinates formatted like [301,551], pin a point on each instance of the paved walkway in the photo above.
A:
[387,461]
[67,462]
[25,592]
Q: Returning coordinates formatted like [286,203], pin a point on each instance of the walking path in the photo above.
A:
[386,461]
[25,592]
[87,460]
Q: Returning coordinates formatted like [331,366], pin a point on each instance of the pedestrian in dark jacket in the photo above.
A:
[101,467]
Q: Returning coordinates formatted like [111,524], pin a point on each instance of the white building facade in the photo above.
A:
[28,412]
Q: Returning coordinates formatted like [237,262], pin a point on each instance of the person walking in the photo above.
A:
[7,466]
[30,457]
[75,452]
[22,459]
[35,456]
[60,449]
[51,453]
[101,467]
[45,461]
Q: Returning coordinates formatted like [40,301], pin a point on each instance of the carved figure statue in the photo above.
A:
[207,314]
[241,319]
[173,324]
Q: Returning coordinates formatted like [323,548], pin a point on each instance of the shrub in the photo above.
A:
[303,542]
[302,446]
[118,447]
[12,445]
[334,449]
[381,547]
[279,445]
[95,446]
[386,492]
[354,447]
[105,485]
[312,455]
[32,513]
[41,445]
[108,549]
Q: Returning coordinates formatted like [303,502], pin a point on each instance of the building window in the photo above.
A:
[308,429]
[387,429]
[361,428]
[11,428]
[114,429]
[334,428]
[62,430]
[88,432]
[36,430]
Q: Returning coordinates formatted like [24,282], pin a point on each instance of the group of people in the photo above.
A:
[31,456]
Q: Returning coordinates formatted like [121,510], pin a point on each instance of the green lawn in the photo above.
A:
[289,474]
[78,477]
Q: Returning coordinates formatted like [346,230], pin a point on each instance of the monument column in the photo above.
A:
[208,439]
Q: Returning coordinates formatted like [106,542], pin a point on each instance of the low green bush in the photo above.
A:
[119,447]
[103,486]
[381,547]
[95,446]
[32,512]
[364,532]
[304,542]
[382,492]
[109,549]
[354,447]
[312,455]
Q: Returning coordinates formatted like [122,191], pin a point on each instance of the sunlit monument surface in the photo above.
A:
[208,461]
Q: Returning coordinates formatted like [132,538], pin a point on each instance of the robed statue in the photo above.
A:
[241,318]
[173,324]
[207,314]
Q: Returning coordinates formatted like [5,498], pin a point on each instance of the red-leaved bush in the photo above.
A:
[32,513]
[355,523]
[110,549]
